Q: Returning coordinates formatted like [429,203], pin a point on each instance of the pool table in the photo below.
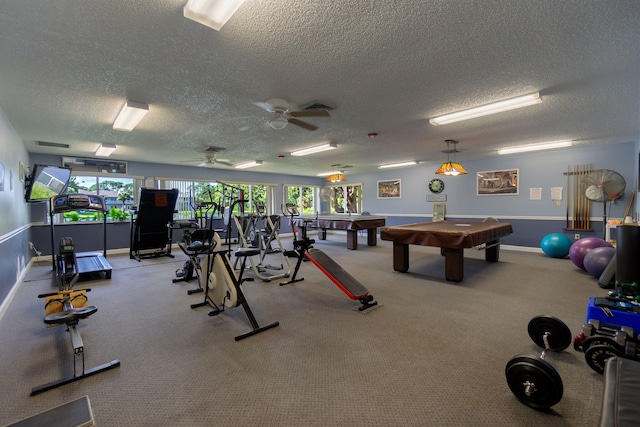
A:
[451,237]
[351,223]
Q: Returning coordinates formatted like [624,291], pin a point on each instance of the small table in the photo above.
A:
[451,237]
[349,223]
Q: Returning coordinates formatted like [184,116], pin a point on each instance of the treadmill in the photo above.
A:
[89,263]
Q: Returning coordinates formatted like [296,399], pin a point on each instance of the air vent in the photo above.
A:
[52,144]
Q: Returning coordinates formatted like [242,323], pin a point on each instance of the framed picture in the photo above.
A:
[439,211]
[21,171]
[498,183]
[389,189]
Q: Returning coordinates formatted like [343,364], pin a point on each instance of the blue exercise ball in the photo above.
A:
[582,247]
[556,245]
[597,260]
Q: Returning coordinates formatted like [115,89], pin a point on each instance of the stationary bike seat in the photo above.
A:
[69,316]
[197,246]
[247,251]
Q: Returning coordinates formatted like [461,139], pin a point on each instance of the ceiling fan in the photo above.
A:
[282,114]
[209,158]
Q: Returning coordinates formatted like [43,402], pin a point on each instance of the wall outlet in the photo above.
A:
[577,236]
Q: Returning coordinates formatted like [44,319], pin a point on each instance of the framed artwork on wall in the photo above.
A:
[389,189]
[498,183]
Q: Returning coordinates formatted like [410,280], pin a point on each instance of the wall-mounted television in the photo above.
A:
[45,182]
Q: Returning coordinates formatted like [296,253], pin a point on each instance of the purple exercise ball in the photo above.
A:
[597,260]
[581,248]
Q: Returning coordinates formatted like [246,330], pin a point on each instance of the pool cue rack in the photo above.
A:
[578,205]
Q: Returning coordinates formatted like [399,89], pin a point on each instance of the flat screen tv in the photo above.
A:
[46,182]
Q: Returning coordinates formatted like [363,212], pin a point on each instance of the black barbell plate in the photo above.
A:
[559,333]
[545,384]
[601,340]
[597,355]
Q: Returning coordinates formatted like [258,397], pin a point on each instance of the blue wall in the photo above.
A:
[532,219]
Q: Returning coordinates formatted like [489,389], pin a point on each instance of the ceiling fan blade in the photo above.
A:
[317,112]
[265,106]
[224,163]
[302,124]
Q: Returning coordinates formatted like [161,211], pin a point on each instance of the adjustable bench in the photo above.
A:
[621,393]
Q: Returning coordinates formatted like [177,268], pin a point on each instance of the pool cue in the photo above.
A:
[589,204]
[574,194]
[567,197]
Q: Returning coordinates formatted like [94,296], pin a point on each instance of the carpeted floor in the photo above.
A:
[433,354]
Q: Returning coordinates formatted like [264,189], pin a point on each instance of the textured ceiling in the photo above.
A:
[386,66]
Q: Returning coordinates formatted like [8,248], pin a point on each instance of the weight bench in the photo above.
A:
[621,393]
[76,413]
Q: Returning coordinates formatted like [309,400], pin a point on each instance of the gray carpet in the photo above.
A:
[433,355]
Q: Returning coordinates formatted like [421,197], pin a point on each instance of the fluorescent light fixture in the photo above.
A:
[212,13]
[535,147]
[398,165]
[130,115]
[316,149]
[250,164]
[105,149]
[485,110]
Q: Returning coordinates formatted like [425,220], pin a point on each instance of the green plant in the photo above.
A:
[116,214]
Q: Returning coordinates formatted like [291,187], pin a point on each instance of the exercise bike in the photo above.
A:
[223,287]
[196,241]
[303,250]
[67,307]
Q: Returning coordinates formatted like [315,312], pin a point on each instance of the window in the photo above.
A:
[304,198]
[344,199]
[194,196]
[117,193]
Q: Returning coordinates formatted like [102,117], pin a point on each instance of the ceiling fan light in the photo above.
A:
[485,110]
[278,123]
[211,13]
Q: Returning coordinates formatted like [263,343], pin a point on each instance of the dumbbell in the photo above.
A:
[600,342]
[531,378]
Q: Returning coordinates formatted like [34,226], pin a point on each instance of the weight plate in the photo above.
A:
[597,355]
[559,334]
[534,381]
[601,340]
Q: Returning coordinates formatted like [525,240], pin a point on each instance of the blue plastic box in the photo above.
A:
[613,319]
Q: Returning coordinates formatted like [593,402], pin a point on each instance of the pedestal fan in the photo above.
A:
[602,186]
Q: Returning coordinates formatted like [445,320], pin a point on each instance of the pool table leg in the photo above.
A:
[453,264]
[400,257]
[492,251]
[372,237]
[322,234]
[352,239]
